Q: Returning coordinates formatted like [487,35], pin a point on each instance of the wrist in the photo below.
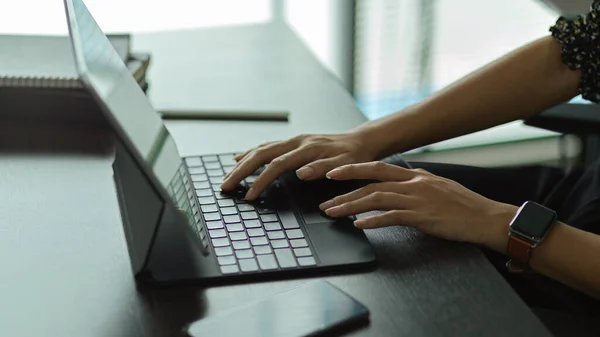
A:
[495,235]
[386,136]
[374,140]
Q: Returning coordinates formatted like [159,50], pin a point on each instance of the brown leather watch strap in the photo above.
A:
[519,252]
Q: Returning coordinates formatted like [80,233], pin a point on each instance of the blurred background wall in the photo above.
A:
[387,53]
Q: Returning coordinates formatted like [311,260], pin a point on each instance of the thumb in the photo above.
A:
[318,168]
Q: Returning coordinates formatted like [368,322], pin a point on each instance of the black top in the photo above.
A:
[580,41]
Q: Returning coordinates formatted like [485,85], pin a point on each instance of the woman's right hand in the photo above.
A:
[312,156]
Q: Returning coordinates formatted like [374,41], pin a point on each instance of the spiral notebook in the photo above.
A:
[32,61]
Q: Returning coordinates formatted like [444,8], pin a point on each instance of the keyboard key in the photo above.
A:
[222,251]
[300,252]
[263,210]
[208,159]
[279,243]
[228,210]
[214,224]
[294,234]
[225,202]
[259,250]
[227,159]
[206,200]
[205,192]
[214,173]
[201,236]
[201,184]
[228,168]
[246,208]
[249,215]
[299,243]
[216,180]
[193,161]
[220,195]
[199,177]
[212,216]
[259,241]
[235,227]
[238,236]
[268,218]
[272,226]
[237,245]
[252,224]
[196,170]
[256,232]
[217,233]
[248,265]
[267,262]
[288,220]
[285,258]
[216,187]
[222,242]
[232,218]
[307,261]
[259,171]
[225,260]
[209,208]
[244,253]
[251,179]
[212,166]
[276,235]
[230,269]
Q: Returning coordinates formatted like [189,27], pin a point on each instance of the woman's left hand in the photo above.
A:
[416,198]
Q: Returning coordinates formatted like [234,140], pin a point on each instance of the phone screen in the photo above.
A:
[309,310]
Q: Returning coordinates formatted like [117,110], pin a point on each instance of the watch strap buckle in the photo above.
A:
[519,252]
[515,267]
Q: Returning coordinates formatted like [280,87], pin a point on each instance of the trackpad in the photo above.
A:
[308,196]
[315,216]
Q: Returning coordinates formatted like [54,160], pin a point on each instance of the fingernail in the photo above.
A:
[331,174]
[332,211]
[326,205]
[359,223]
[250,194]
[305,173]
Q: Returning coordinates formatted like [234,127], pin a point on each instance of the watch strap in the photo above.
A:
[519,252]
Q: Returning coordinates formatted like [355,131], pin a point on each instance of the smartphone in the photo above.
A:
[313,309]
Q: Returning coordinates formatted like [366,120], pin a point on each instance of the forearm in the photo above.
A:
[519,85]
[568,255]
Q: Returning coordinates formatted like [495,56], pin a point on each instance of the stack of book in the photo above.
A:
[39,82]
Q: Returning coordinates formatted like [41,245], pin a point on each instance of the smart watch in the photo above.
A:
[526,231]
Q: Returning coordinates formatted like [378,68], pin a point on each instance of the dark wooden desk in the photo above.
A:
[65,268]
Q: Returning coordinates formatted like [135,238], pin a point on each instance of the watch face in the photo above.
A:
[533,220]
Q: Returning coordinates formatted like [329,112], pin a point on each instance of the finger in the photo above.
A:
[240,156]
[239,162]
[278,166]
[318,168]
[253,161]
[228,174]
[357,194]
[373,170]
[378,201]
[390,218]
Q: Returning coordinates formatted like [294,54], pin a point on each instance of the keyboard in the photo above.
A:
[245,237]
